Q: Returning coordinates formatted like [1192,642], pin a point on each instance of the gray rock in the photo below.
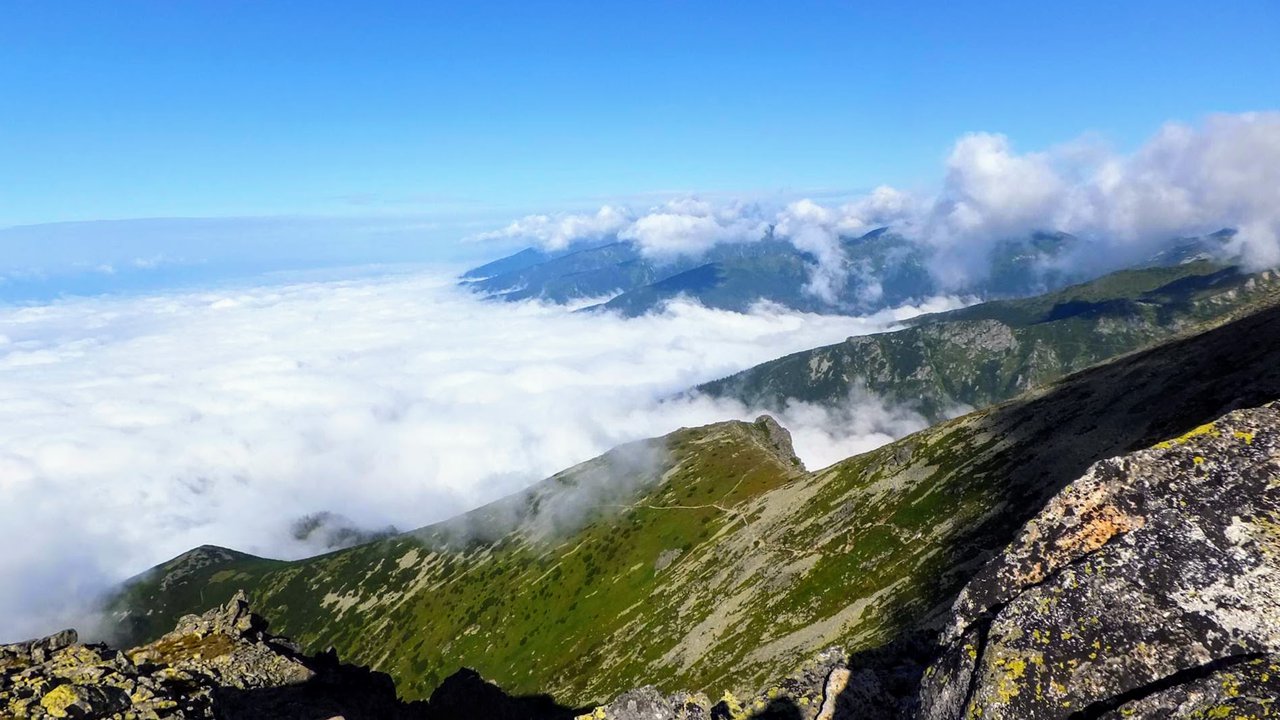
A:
[220,664]
[644,703]
[1140,582]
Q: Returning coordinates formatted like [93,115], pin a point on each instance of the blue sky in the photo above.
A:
[462,115]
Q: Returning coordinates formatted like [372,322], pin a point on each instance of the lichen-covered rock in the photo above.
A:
[1245,689]
[221,664]
[647,703]
[1150,587]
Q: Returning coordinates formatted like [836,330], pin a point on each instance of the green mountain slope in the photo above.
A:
[709,559]
[731,283]
[986,353]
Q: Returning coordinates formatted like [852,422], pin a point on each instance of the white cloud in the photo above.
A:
[556,232]
[989,194]
[1190,180]
[688,226]
[882,206]
[816,230]
[132,429]
[680,226]
[990,187]
[1186,180]
[812,229]
[823,435]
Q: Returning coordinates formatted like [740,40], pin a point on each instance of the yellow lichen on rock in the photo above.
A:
[57,701]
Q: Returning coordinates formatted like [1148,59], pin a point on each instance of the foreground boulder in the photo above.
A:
[1148,588]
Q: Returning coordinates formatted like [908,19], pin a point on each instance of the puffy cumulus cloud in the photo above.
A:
[881,207]
[691,227]
[134,428]
[989,193]
[816,229]
[681,226]
[991,188]
[1189,180]
[1186,180]
[557,232]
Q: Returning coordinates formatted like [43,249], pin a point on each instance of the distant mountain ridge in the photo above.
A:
[878,269]
[990,352]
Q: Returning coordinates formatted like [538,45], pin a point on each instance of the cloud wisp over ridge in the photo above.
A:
[134,428]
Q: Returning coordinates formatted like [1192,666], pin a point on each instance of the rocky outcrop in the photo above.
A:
[1148,588]
[827,687]
[222,664]
[225,665]
[778,439]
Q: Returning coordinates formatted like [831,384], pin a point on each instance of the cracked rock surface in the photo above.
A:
[1148,588]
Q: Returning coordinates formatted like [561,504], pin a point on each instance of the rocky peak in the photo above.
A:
[778,440]
[233,620]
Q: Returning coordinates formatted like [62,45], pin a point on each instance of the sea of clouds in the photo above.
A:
[135,428]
